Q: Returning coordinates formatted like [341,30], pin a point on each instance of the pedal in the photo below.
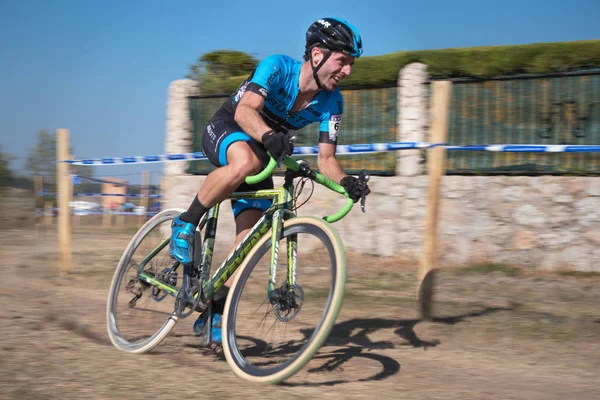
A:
[217,349]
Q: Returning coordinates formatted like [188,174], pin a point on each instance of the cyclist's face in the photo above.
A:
[336,68]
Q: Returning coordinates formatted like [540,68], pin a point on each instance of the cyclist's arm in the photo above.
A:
[327,163]
[328,131]
[247,115]
[268,73]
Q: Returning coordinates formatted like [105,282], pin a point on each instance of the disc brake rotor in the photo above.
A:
[289,303]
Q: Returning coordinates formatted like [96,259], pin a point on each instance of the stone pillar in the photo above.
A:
[413,117]
[179,123]
[178,138]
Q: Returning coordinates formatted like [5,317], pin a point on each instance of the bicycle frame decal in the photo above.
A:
[236,258]
[156,283]
[274,250]
[292,245]
[209,242]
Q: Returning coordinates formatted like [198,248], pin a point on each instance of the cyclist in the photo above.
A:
[281,95]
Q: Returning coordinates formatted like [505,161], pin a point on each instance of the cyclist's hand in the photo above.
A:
[354,187]
[278,144]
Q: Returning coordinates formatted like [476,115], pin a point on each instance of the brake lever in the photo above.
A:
[363,178]
[291,138]
[281,158]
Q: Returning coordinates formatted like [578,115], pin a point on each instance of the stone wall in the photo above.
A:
[536,222]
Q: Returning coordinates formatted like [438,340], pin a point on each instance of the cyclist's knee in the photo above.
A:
[245,218]
[242,160]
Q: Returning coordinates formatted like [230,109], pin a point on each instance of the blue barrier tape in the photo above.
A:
[151,196]
[356,149]
[529,148]
[40,212]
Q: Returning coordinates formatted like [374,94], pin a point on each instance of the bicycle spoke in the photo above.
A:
[270,337]
[141,313]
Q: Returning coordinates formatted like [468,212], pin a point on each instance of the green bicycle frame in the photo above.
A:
[272,219]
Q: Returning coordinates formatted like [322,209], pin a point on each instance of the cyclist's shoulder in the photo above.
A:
[280,60]
[334,101]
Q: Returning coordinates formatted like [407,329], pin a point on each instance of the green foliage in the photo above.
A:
[6,174]
[21,182]
[479,62]
[487,268]
[222,71]
[41,160]
[580,274]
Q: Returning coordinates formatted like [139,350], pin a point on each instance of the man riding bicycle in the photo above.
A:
[281,96]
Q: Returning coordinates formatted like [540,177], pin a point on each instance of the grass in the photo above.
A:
[388,283]
[580,274]
[487,268]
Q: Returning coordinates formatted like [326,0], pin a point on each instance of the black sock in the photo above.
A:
[218,305]
[194,214]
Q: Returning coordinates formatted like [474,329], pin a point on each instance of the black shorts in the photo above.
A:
[219,134]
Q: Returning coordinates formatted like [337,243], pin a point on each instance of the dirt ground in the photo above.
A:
[498,333]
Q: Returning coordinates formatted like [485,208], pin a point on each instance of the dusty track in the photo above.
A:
[495,335]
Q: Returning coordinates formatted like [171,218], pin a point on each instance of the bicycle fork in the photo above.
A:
[275,294]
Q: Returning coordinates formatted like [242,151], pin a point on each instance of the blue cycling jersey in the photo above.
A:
[276,80]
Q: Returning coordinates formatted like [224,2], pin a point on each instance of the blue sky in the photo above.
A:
[102,68]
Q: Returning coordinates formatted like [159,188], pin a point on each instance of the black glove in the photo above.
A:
[354,187]
[278,144]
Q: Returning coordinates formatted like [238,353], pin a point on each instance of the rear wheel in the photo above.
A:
[140,316]
[267,340]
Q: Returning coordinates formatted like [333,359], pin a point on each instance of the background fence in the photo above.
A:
[369,117]
[535,109]
[528,109]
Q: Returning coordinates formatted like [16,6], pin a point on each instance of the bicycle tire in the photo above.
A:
[324,232]
[116,337]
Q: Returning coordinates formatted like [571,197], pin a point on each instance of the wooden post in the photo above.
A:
[106,217]
[71,191]
[64,217]
[121,218]
[39,219]
[436,166]
[144,192]
[48,212]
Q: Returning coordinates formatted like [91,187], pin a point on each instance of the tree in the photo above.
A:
[6,174]
[41,159]
[214,68]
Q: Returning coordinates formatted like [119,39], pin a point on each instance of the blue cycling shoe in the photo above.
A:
[215,332]
[182,239]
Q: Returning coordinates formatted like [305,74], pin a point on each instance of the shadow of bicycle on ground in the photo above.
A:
[353,338]
[348,345]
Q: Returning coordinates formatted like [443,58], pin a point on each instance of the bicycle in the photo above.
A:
[153,279]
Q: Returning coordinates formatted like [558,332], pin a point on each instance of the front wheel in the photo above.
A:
[267,340]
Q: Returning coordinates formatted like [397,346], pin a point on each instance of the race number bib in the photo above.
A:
[334,126]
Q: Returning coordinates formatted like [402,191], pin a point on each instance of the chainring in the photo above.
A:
[190,303]
[169,277]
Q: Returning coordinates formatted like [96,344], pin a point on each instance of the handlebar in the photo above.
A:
[293,165]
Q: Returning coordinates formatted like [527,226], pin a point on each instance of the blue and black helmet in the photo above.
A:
[334,34]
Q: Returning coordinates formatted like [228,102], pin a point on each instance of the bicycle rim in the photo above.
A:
[140,316]
[266,343]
